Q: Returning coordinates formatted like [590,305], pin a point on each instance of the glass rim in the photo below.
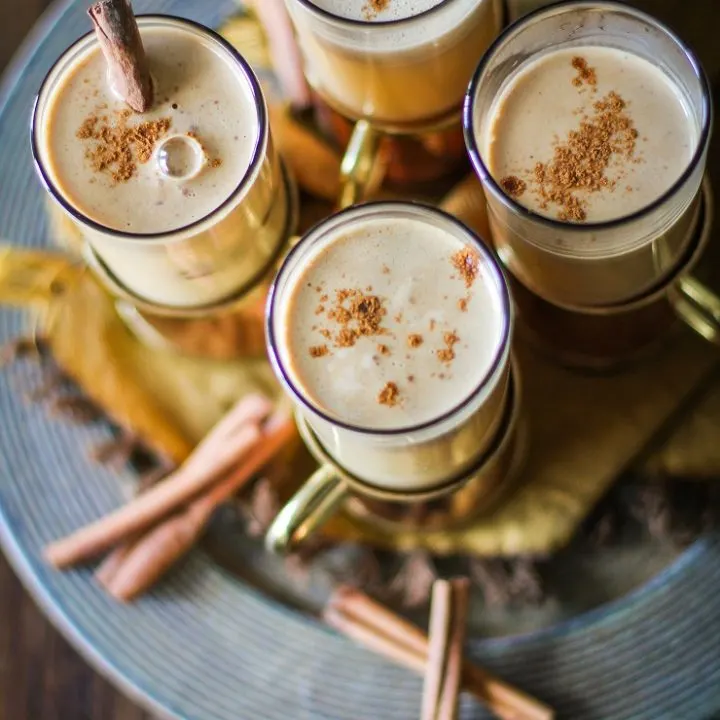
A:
[255,161]
[507,34]
[368,24]
[503,351]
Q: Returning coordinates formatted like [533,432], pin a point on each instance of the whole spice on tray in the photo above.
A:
[446,640]
[379,629]
[237,436]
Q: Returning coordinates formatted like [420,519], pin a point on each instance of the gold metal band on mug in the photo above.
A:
[330,486]
[362,170]
[361,164]
[694,303]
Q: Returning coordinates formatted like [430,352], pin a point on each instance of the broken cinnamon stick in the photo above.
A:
[119,37]
[448,615]
[379,629]
[152,556]
[287,61]
[236,436]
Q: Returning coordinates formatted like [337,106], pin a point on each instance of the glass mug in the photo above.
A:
[605,338]
[209,263]
[418,460]
[603,263]
[458,501]
[405,76]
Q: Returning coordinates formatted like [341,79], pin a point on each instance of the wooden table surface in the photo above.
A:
[41,676]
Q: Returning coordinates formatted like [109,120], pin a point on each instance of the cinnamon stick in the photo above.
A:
[119,37]
[438,646]
[286,58]
[367,622]
[448,615]
[454,664]
[152,556]
[230,440]
[110,566]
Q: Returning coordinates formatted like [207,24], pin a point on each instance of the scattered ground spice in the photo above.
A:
[411,378]
[118,147]
[373,7]
[389,395]
[462,304]
[383,349]
[432,325]
[447,354]
[358,314]
[513,185]
[385,270]
[585,74]
[466,262]
[318,351]
[579,163]
[415,340]
[320,309]
[215,163]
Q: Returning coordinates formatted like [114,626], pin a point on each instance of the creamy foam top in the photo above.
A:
[200,89]
[363,9]
[437,338]
[540,106]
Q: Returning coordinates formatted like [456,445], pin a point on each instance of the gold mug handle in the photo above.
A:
[360,170]
[310,508]
[698,307]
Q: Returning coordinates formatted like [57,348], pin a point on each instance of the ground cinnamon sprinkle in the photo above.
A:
[513,185]
[580,162]
[586,74]
[117,147]
[358,315]
[415,340]
[463,304]
[319,351]
[373,7]
[447,354]
[466,262]
[383,349]
[389,395]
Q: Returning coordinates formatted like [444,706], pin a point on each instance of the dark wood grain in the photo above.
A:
[41,676]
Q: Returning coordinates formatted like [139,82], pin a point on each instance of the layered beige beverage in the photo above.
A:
[591,153]
[397,62]
[185,204]
[390,327]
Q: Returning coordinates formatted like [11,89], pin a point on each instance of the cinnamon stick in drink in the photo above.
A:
[119,37]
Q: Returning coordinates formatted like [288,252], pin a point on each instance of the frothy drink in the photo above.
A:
[398,62]
[584,135]
[184,203]
[550,121]
[393,323]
